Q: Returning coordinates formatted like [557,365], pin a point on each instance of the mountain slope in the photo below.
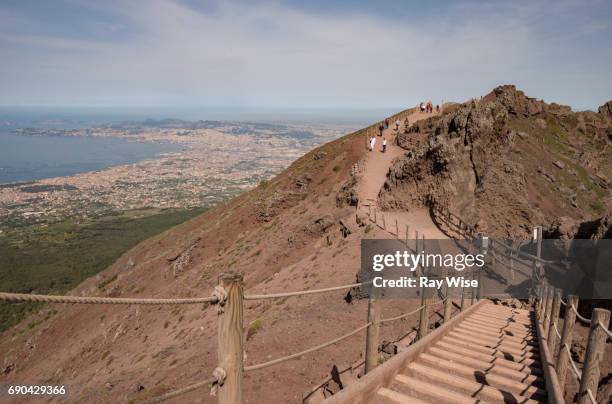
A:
[283,235]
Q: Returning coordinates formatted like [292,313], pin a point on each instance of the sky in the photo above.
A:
[291,54]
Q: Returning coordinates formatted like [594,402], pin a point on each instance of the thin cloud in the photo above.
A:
[269,54]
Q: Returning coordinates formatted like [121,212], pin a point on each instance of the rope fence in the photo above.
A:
[307,351]
[228,296]
[547,304]
[305,292]
[24,297]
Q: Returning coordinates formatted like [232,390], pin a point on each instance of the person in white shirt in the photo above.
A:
[384,145]
[397,124]
[372,143]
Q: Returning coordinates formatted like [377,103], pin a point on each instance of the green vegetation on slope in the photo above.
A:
[56,258]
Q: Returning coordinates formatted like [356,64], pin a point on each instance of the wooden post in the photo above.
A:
[462,298]
[424,317]
[448,305]
[544,303]
[554,319]
[371,360]
[416,241]
[407,235]
[536,264]
[594,354]
[549,295]
[230,339]
[396,229]
[566,339]
[541,300]
[472,289]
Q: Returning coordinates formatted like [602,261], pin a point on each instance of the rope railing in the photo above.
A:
[401,316]
[26,297]
[578,373]
[184,390]
[220,297]
[580,317]
[304,292]
[307,351]
[547,309]
[605,329]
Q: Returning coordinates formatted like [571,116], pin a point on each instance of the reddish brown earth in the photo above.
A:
[285,235]
[282,236]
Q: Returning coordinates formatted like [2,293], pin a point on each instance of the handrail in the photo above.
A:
[304,292]
[547,312]
[307,351]
[26,297]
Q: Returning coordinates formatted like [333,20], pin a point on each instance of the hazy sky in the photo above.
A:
[318,53]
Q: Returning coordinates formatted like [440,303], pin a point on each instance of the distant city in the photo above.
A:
[211,161]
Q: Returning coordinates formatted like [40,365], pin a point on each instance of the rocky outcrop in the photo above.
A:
[477,162]
[606,110]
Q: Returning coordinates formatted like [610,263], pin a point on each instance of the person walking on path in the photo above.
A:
[384,145]
[381,127]
[372,143]
[386,123]
[406,124]
[397,124]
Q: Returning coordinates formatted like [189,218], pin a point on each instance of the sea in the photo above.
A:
[26,158]
[29,158]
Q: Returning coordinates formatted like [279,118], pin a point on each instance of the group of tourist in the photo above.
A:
[428,107]
[373,143]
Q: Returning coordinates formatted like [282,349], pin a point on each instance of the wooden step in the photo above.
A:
[510,341]
[499,321]
[504,314]
[388,396]
[496,333]
[487,342]
[465,386]
[495,337]
[499,328]
[432,393]
[470,353]
[521,357]
[479,376]
[505,326]
[486,367]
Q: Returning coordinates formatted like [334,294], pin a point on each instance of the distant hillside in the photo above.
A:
[508,162]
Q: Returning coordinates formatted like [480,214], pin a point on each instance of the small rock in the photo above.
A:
[559,164]
[549,177]
[361,219]
[108,385]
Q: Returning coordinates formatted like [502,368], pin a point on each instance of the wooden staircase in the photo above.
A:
[490,355]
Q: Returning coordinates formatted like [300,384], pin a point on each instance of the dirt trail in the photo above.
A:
[373,177]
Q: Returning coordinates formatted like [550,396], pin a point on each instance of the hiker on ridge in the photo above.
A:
[397,124]
[384,145]
[372,143]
